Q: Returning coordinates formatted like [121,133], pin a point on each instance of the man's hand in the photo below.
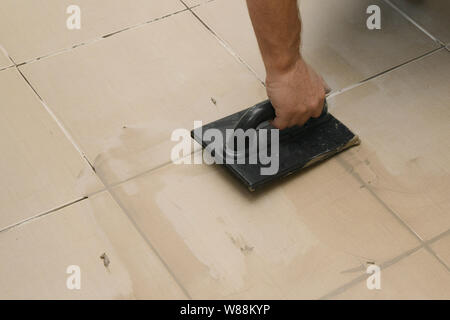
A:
[296,91]
[297,94]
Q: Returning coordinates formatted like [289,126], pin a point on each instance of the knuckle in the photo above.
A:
[302,110]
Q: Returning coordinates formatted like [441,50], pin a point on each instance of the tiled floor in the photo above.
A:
[41,169]
[422,277]
[431,15]
[410,172]
[35,256]
[32,29]
[143,91]
[278,243]
[87,171]
[340,54]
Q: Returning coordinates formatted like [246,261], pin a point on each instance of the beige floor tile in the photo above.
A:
[433,15]
[40,168]
[419,276]
[300,238]
[335,38]
[238,35]
[122,97]
[442,249]
[403,121]
[35,256]
[4,61]
[31,29]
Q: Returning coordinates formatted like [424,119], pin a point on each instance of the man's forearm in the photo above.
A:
[277,27]
[296,91]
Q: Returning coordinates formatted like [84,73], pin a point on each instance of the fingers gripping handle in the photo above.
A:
[264,111]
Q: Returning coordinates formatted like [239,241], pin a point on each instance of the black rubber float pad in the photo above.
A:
[298,149]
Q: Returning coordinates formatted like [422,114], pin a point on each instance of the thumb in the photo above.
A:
[280,123]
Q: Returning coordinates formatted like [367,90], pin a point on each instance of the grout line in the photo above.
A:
[58,122]
[225,44]
[363,277]
[332,94]
[360,83]
[434,254]
[99,38]
[343,90]
[110,186]
[438,237]
[118,183]
[360,180]
[64,130]
[384,266]
[41,215]
[410,61]
[58,52]
[435,239]
[119,203]
[138,175]
[6,68]
[56,119]
[125,211]
[368,187]
[229,49]
[107,188]
[412,21]
[72,141]
[144,237]
[424,243]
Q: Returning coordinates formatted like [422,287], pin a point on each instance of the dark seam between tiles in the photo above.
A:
[225,44]
[17,224]
[99,38]
[387,264]
[414,22]
[396,216]
[343,288]
[410,61]
[147,241]
[378,75]
[6,68]
[122,207]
